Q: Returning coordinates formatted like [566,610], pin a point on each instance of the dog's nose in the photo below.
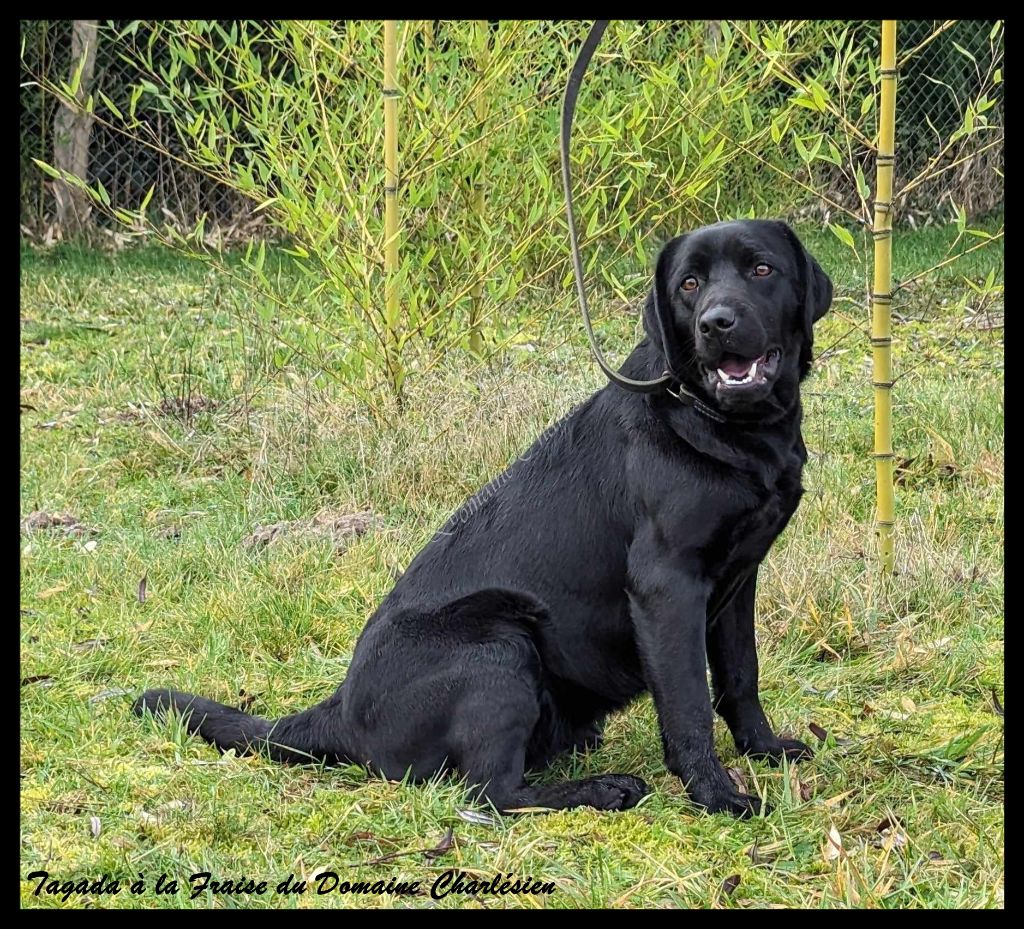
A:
[717,318]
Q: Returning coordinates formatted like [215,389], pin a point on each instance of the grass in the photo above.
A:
[151,414]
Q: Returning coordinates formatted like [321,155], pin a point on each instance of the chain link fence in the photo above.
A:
[127,165]
[942,65]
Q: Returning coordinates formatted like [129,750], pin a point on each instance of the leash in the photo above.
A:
[572,90]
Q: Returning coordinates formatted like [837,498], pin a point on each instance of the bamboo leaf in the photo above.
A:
[844,235]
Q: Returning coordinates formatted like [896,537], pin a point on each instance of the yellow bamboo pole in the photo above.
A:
[881,300]
[391,206]
[481,107]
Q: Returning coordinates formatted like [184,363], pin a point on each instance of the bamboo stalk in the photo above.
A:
[428,61]
[481,108]
[881,301]
[391,207]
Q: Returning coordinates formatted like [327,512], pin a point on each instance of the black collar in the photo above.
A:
[687,398]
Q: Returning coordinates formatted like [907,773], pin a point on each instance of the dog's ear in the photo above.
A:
[659,322]
[817,292]
[818,296]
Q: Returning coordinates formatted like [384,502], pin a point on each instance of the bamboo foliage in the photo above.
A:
[285,115]
[394,368]
[881,299]
[481,107]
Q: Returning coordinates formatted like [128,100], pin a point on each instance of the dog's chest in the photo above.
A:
[746,538]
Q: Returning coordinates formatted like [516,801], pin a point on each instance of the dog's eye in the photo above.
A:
[763,270]
[689,283]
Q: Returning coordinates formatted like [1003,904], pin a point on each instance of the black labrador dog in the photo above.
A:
[619,555]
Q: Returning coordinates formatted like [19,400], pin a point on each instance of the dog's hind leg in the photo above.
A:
[493,759]
[499,780]
[504,717]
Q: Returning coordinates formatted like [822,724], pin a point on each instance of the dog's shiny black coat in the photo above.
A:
[617,556]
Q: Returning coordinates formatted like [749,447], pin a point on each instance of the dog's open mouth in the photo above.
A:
[735,371]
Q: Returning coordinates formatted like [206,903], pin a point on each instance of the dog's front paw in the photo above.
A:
[743,806]
[775,750]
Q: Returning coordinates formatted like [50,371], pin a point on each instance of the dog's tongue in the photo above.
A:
[735,366]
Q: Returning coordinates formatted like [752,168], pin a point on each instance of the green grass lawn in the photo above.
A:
[152,417]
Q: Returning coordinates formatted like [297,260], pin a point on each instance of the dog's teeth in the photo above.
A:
[738,379]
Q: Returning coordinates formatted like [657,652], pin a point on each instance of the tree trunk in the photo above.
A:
[72,127]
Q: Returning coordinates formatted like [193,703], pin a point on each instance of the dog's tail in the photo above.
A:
[312,736]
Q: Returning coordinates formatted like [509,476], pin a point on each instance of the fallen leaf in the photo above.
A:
[359,837]
[159,814]
[245,700]
[479,819]
[739,781]
[107,694]
[820,734]
[997,707]
[945,455]
[36,679]
[984,321]
[95,827]
[89,645]
[890,822]
[730,884]
[934,856]
[901,470]
[90,546]
[172,806]
[891,838]
[908,705]
[442,847]
[51,592]
[759,854]
[798,789]
[142,588]
[838,798]
[794,782]
[833,846]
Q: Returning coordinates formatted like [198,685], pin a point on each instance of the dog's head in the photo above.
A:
[732,310]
